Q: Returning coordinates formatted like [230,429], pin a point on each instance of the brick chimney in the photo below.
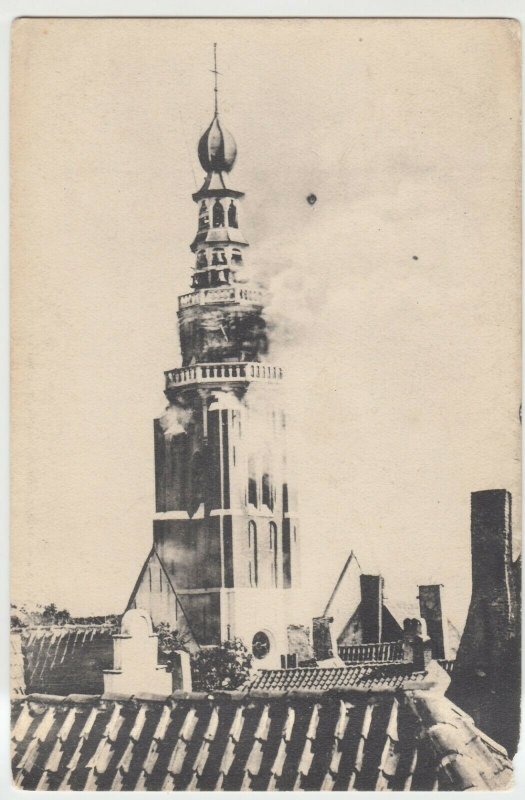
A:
[417,646]
[432,610]
[323,644]
[371,608]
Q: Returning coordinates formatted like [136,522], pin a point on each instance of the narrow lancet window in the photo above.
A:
[267,497]
[218,214]
[232,215]
[252,491]
[273,554]
[253,577]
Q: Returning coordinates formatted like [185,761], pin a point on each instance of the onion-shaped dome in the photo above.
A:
[217,149]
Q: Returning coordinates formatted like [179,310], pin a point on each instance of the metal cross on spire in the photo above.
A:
[216,73]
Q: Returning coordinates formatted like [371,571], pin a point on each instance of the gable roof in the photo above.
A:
[401,609]
[345,596]
[342,740]
[141,597]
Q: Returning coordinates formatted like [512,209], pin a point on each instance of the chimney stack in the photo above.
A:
[322,638]
[491,540]
[486,679]
[431,608]
[493,617]
[417,646]
[371,609]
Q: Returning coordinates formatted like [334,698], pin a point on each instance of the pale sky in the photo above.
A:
[403,372]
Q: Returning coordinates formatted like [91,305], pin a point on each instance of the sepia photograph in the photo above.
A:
[265,404]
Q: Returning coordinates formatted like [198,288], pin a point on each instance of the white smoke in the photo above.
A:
[175,420]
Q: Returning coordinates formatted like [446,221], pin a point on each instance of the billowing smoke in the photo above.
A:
[175,420]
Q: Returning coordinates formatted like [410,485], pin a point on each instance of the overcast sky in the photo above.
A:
[395,297]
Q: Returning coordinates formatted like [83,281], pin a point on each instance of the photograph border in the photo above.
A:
[14,9]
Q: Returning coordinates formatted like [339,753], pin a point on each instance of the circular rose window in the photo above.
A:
[260,645]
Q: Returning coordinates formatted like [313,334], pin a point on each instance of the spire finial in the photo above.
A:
[217,148]
[216,73]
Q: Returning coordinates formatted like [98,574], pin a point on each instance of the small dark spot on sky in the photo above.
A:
[416,258]
[360,40]
[312,199]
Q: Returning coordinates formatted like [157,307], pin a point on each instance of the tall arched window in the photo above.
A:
[218,214]
[267,495]
[253,575]
[273,553]
[232,215]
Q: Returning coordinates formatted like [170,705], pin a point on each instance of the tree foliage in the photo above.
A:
[224,667]
[21,617]
[51,615]
[25,617]
[169,642]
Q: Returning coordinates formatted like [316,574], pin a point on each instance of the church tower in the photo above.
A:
[225,552]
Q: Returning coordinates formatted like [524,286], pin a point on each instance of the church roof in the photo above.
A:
[64,658]
[218,236]
[347,739]
[217,149]
[135,599]
[214,186]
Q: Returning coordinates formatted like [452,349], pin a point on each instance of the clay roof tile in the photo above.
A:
[257,740]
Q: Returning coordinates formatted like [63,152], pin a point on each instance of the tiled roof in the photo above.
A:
[374,675]
[340,740]
[60,659]
[16,660]
[369,676]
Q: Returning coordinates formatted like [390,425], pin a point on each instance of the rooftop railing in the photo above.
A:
[222,294]
[378,651]
[241,371]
